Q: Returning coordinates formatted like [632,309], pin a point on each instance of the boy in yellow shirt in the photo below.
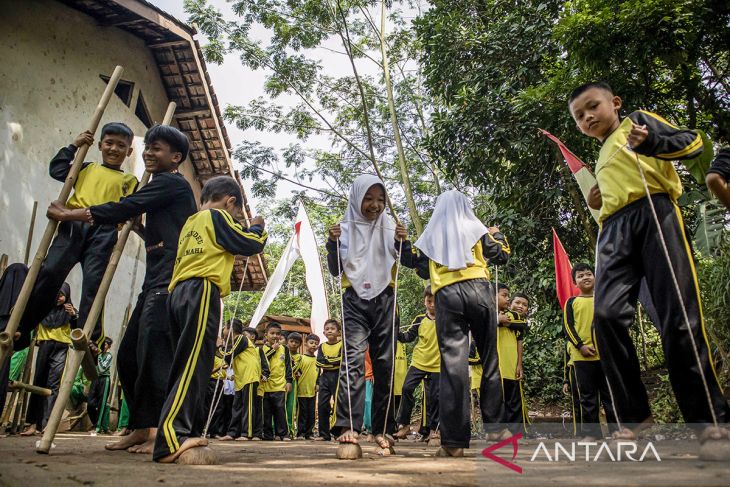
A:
[277,386]
[306,388]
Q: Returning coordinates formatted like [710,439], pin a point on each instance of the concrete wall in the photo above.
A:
[51,58]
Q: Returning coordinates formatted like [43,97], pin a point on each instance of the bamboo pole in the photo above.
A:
[26,377]
[76,356]
[3,263]
[16,385]
[30,232]
[6,337]
[80,341]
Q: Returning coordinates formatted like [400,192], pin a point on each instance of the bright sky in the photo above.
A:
[236,84]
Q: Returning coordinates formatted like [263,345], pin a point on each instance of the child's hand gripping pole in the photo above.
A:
[76,356]
[6,336]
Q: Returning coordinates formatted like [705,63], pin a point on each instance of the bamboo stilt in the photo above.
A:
[26,377]
[76,356]
[80,343]
[6,337]
[30,233]
[20,386]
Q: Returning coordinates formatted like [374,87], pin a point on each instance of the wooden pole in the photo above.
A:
[30,232]
[26,377]
[6,337]
[3,263]
[76,356]
[16,385]
[80,343]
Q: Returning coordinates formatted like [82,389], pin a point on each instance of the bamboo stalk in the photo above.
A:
[16,385]
[77,356]
[6,337]
[30,232]
[26,377]
[80,342]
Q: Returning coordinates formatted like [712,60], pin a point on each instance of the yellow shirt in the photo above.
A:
[246,365]
[329,356]
[217,364]
[401,368]
[426,355]
[618,176]
[578,326]
[280,368]
[208,242]
[475,366]
[307,380]
[61,334]
[98,184]
[441,276]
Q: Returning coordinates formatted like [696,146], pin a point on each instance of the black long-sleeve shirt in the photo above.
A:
[168,201]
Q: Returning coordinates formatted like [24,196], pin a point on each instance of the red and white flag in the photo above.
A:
[564,285]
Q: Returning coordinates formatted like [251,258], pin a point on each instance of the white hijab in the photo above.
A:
[452,232]
[367,248]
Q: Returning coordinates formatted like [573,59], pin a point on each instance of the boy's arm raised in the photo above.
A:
[495,247]
[659,138]
[412,332]
[235,238]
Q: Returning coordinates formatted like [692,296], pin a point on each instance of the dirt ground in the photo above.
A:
[79,459]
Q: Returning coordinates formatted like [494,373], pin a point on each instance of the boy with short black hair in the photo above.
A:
[643,238]
[306,388]
[329,358]
[425,368]
[146,351]
[209,241]
[277,385]
[591,383]
[81,242]
[294,344]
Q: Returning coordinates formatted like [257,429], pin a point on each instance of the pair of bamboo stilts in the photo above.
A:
[79,354]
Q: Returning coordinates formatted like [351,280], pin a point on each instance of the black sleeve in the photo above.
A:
[333,266]
[406,253]
[721,164]
[413,259]
[156,194]
[666,141]
[61,164]
[495,248]
[517,323]
[412,331]
[235,238]
[569,324]
[287,362]
[240,346]
[265,369]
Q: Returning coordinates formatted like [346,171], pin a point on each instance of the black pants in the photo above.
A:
[194,309]
[512,416]
[328,382]
[76,242]
[145,357]
[460,308]
[592,390]
[629,249]
[574,400]
[243,414]
[275,415]
[50,362]
[430,392]
[305,421]
[367,322]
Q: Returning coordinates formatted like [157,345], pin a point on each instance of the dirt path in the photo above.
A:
[81,460]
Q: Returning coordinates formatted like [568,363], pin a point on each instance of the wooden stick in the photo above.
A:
[80,342]
[16,385]
[30,233]
[26,377]
[3,263]
[6,337]
[76,356]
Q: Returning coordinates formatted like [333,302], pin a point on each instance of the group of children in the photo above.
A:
[170,346]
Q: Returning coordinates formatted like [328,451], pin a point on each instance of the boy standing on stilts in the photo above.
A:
[145,353]
[209,240]
[454,250]
[644,237]
[364,248]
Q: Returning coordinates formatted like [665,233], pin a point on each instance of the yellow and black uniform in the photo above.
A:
[214,394]
[146,350]
[329,357]
[631,249]
[424,369]
[306,392]
[401,369]
[590,382]
[274,410]
[77,243]
[202,274]
[370,324]
[52,339]
[464,303]
[475,368]
[249,366]
[292,412]
[570,380]
[508,338]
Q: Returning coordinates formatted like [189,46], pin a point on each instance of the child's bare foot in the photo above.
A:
[226,438]
[29,431]
[715,444]
[499,435]
[385,445]
[188,444]
[136,437]
[243,438]
[402,432]
[123,432]
[624,434]
[348,436]
[446,451]
[145,448]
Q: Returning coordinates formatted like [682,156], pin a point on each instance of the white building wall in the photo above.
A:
[51,57]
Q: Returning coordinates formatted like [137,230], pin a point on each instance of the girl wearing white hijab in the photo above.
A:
[368,240]
[453,253]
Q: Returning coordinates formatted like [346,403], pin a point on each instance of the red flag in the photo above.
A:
[563,278]
[571,159]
